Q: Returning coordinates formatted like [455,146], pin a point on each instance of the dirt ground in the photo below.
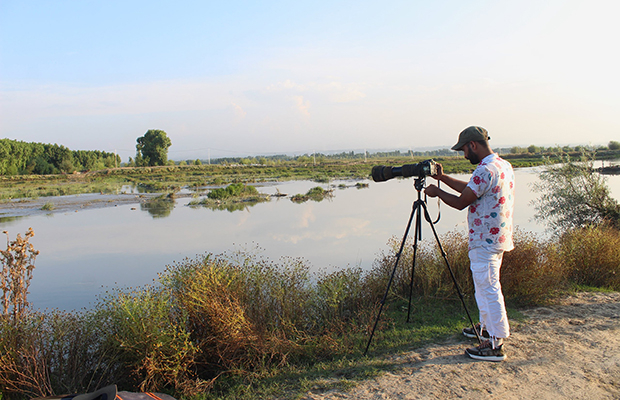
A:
[570,350]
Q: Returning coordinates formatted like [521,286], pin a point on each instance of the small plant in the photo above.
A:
[233,190]
[48,206]
[17,266]
[317,193]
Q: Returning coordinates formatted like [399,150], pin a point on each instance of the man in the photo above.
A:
[489,194]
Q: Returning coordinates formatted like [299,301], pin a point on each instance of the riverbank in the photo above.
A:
[568,350]
[72,203]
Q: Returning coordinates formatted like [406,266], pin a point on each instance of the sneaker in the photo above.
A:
[486,352]
[469,332]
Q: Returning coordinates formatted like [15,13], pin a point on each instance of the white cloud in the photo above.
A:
[301,105]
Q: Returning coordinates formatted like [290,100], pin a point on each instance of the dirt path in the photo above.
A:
[570,350]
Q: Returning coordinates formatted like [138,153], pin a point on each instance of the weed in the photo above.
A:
[48,206]
[17,266]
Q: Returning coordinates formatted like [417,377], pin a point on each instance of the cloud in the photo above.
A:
[301,105]
[240,112]
[332,91]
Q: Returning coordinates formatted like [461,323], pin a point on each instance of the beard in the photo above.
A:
[473,158]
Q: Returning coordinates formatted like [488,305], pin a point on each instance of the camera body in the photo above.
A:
[382,173]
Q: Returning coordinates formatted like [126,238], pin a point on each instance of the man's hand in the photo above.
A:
[439,173]
[432,190]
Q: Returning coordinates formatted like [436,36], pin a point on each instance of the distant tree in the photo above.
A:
[197,162]
[152,148]
[533,149]
[614,145]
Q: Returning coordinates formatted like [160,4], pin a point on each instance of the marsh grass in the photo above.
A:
[234,197]
[316,193]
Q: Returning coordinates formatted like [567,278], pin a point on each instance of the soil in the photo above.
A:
[569,350]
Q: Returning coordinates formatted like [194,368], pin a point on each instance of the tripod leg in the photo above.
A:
[417,237]
[445,258]
[387,290]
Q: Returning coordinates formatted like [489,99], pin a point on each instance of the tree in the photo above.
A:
[573,195]
[152,148]
[614,145]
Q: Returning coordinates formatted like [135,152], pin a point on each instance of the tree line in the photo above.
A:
[18,157]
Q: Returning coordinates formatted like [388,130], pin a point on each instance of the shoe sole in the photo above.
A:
[486,358]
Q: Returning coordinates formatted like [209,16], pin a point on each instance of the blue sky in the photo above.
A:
[235,78]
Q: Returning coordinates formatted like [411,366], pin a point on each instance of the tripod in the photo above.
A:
[417,208]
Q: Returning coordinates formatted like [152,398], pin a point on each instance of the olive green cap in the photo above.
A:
[471,134]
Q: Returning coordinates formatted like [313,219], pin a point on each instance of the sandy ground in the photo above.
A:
[570,350]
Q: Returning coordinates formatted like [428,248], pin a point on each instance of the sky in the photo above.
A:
[236,78]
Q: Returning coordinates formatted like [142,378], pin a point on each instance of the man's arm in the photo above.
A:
[454,183]
[459,202]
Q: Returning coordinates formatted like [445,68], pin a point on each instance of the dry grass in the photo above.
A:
[592,256]
[17,266]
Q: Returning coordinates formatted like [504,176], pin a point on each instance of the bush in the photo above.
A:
[145,339]
[574,195]
[532,273]
[592,256]
[431,276]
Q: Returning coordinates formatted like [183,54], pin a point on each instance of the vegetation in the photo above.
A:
[573,195]
[316,193]
[152,148]
[240,326]
[170,178]
[234,197]
[22,158]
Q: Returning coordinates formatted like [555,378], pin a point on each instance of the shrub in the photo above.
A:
[574,195]
[592,256]
[431,276]
[532,273]
[145,340]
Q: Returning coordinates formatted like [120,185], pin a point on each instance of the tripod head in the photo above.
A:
[419,184]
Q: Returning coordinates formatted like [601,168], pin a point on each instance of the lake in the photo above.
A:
[87,252]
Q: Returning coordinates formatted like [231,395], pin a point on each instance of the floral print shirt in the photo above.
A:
[490,215]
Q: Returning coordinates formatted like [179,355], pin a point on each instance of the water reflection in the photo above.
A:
[159,207]
[230,206]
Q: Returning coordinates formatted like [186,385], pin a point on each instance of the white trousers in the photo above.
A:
[485,266]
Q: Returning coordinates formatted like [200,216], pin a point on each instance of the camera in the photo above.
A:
[381,173]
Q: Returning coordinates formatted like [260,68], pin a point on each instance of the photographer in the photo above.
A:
[489,194]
